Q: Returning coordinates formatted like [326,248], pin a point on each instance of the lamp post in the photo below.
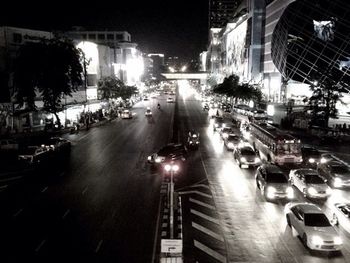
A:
[172,168]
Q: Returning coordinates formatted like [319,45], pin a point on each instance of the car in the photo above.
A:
[308,182]
[169,100]
[336,173]
[232,141]
[33,154]
[311,156]
[313,226]
[126,114]
[170,151]
[148,112]
[246,157]
[340,214]
[272,183]
[217,122]
[8,145]
[225,131]
[193,139]
[145,98]
[57,144]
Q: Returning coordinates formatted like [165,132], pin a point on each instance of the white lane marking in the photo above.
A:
[340,160]
[156,233]
[11,179]
[210,252]
[209,218]
[44,189]
[66,213]
[202,204]
[40,245]
[98,246]
[18,212]
[82,137]
[208,232]
[3,187]
[84,191]
[196,192]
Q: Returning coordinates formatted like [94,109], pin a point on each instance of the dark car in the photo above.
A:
[33,154]
[272,183]
[246,157]
[336,173]
[169,152]
[193,139]
[311,156]
[57,144]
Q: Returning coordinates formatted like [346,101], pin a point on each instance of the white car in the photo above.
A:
[313,226]
[340,214]
[148,112]
[309,183]
[126,114]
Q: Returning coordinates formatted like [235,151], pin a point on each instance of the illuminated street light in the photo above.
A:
[184,68]
[171,69]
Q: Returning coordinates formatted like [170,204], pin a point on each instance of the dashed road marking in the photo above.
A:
[18,212]
[208,232]
[84,191]
[66,213]
[3,187]
[45,188]
[98,246]
[40,245]
[210,252]
[202,204]
[209,218]
[196,192]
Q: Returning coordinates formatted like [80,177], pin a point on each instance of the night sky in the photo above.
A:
[175,28]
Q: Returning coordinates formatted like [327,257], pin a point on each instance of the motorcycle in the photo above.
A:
[193,140]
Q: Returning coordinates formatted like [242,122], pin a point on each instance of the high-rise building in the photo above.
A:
[221,11]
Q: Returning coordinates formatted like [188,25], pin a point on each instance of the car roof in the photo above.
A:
[306,171]
[271,168]
[309,208]
[247,148]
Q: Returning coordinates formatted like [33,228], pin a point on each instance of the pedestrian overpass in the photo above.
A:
[201,76]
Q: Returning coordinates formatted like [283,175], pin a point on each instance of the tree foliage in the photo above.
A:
[231,87]
[113,88]
[53,67]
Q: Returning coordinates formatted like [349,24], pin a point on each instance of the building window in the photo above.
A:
[92,36]
[101,36]
[83,36]
[110,36]
[119,37]
[17,38]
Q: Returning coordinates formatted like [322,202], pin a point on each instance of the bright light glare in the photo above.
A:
[167,167]
[175,168]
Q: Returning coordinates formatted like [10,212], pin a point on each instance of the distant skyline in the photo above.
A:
[175,28]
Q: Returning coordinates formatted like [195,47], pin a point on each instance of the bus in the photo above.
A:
[277,146]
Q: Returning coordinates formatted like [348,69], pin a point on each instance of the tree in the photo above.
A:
[322,103]
[53,67]
[109,87]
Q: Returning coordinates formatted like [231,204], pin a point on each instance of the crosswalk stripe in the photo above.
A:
[209,218]
[196,192]
[207,231]
[210,252]
[202,204]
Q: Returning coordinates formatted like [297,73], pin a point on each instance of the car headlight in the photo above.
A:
[311,160]
[337,182]
[316,240]
[290,192]
[257,159]
[149,158]
[337,241]
[158,160]
[230,145]
[225,135]
[216,125]
[270,192]
[190,141]
[323,160]
[197,142]
[311,191]
[243,159]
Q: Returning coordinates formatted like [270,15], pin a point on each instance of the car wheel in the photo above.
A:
[288,221]
[305,240]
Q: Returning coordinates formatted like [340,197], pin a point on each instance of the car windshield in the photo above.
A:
[170,149]
[233,138]
[310,151]
[313,179]
[277,178]
[340,169]
[288,148]
[316,220]
[247,151]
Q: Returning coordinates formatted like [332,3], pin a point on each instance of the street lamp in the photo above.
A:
[172,168]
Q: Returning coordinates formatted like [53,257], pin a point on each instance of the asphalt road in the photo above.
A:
[99,205]
[225,217]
